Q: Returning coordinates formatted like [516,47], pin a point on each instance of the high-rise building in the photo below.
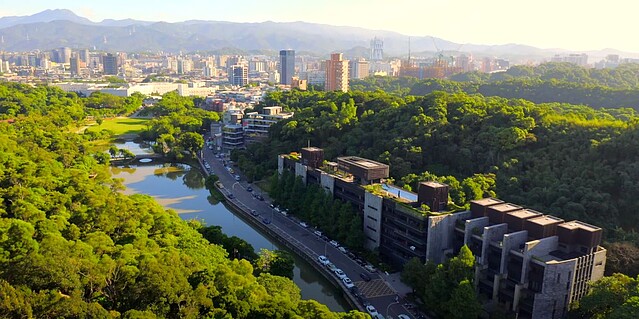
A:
[359,69]
[75,65]
[287,66]
[238,75]
[110,64]
[377,49]
[64,55]
[336,73]
[84,55]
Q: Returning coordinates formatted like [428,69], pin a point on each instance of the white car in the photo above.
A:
[371,311]
[343,250]
[339,273]
[323,260]
[334,243]
[303,224]
[348,282]
[403,316]
[331,266]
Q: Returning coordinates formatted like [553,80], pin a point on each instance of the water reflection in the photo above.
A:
[181,188]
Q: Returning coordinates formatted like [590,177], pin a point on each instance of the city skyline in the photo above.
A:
[542,24]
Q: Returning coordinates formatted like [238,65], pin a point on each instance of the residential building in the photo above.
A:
[238,75]
[359,69]
[297,83]
[110,64]
[256,124]
[336,73]
[75,65]
[232,137]
[533,265]
[287,66]
[574,58]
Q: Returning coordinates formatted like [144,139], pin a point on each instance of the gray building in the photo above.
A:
[531,264]
[287,66]
[110,64]
[238,75]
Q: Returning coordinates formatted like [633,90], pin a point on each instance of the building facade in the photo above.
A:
[336,73]
[256,125]
[532,264]
[238,75]
[110,64]
[287,66]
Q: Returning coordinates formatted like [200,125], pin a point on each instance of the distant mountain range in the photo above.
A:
[63,28]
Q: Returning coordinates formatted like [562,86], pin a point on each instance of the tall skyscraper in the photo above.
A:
[238,75]
[75,65]
[287,66]
[84,55]
[377,49]
[65,55]
[110,64]
[336,73]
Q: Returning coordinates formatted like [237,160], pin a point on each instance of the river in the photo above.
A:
[181,188]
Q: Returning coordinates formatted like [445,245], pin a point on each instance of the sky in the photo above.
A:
[576,25]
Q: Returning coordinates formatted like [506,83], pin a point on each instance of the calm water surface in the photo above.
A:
[181,188]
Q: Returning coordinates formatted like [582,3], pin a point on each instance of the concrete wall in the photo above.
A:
[511,241]
[328,182]
[553,300]
[479,223]
[280,164]
[491,233]
[441,230]
[539,247]
[372,220]
[300,170]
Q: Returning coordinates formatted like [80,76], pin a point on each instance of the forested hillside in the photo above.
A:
[72,246]
[549,82]
[566,160]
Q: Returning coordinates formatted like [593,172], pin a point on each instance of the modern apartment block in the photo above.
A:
[256,125]
[533,264]
[336,73]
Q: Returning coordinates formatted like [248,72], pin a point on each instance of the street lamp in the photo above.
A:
[390,304]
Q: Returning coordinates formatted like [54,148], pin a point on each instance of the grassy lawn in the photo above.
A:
[121,126]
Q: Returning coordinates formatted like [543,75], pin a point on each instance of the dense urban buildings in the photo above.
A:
[336,73]
[532,264]
[287,66]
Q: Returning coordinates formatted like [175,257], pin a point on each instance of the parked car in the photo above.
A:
[370,268]
[334,243]
[259,197]
[365,276]
[348,282]
[266,221]
[249,189]
[403,316]
[323,260]
[343,250]
[371,311]
[237,178]
[303,224]
[231,196]
[331,266]
[339,273]
[254,212]
[318,233]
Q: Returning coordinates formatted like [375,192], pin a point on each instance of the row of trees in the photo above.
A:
[73,246]
[446,289]
[311,203]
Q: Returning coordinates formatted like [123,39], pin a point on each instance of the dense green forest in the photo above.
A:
[571,161]
[549,82]
[73,246]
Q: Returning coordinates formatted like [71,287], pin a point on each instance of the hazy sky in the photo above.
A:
[569,24]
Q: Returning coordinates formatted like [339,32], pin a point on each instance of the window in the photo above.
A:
[372,218]
[371,228]
[371,207]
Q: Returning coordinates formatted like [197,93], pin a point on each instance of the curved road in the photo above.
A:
[377,291]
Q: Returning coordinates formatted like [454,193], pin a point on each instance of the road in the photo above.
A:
[377,291]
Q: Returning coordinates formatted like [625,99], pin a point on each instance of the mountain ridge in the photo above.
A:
[24,33]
